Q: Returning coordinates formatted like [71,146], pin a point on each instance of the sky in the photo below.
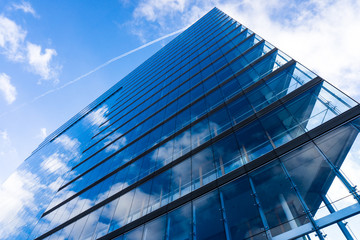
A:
[58,56]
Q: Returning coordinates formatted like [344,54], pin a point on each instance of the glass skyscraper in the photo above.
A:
[219,135]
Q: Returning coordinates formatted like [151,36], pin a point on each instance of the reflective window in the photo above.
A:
[253,141]
[140,201]
[207,218]
[105,217]
[200,133]
[227,155]
[315,180]
[239,109]
[179,223]
[203,168]
[155,230]
[215,98]
[281,205]
[230,88]
[160,191]
[182,144]
[122,211]
[240,209]
[135,234]
[180,179]
[219,121]
[281,126]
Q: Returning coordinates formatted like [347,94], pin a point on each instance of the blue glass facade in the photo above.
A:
[219,135]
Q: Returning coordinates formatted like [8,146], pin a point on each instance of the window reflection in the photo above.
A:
[140,201]
[135,234]
[314,177]
[203,168]
[281,126]
[219,121]
[253,141]
[155,230]
[208,218]
[227,155]
[179,223]
[160,191]
[180,179]
[242,215]
[122,211]
[281,206]
[182,144]
[200,133]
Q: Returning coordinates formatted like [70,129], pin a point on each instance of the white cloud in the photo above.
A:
[25,7]
[8,156]
[160,17]
[11,39]
[322,35]
[15,48]
[7,89]
[154,10]
[115,145]
[97,117]
[40,62]
[70,144]
[4,135]
[16,193]
[43,133]
[54,162]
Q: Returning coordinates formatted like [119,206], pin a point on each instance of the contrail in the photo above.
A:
[94,70]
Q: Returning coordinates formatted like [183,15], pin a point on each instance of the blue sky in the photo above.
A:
[45,45]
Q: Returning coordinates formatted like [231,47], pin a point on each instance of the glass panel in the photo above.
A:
[281,126]
[135,234]
[122,211]
[165,154]
[155,230]
[342,147]
[334,232]
[119,238]
[200,133]
[227,155]
[314,179]
[242,215]
[198,109]
[231,88]
[253,141]
[203,169]
[219,121]
[133,172]
[182,119]
[224,74]
[118,182]
[90,224]
[255,73]
[215,98]
[77,229]
[105,218]
[180,179]
[148,163]
[335,99]
[239,109]
[179,223]
[261,97]
[140,201]
[160,191]
[207,217]
[281,205]
[182,144]
[352,224]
